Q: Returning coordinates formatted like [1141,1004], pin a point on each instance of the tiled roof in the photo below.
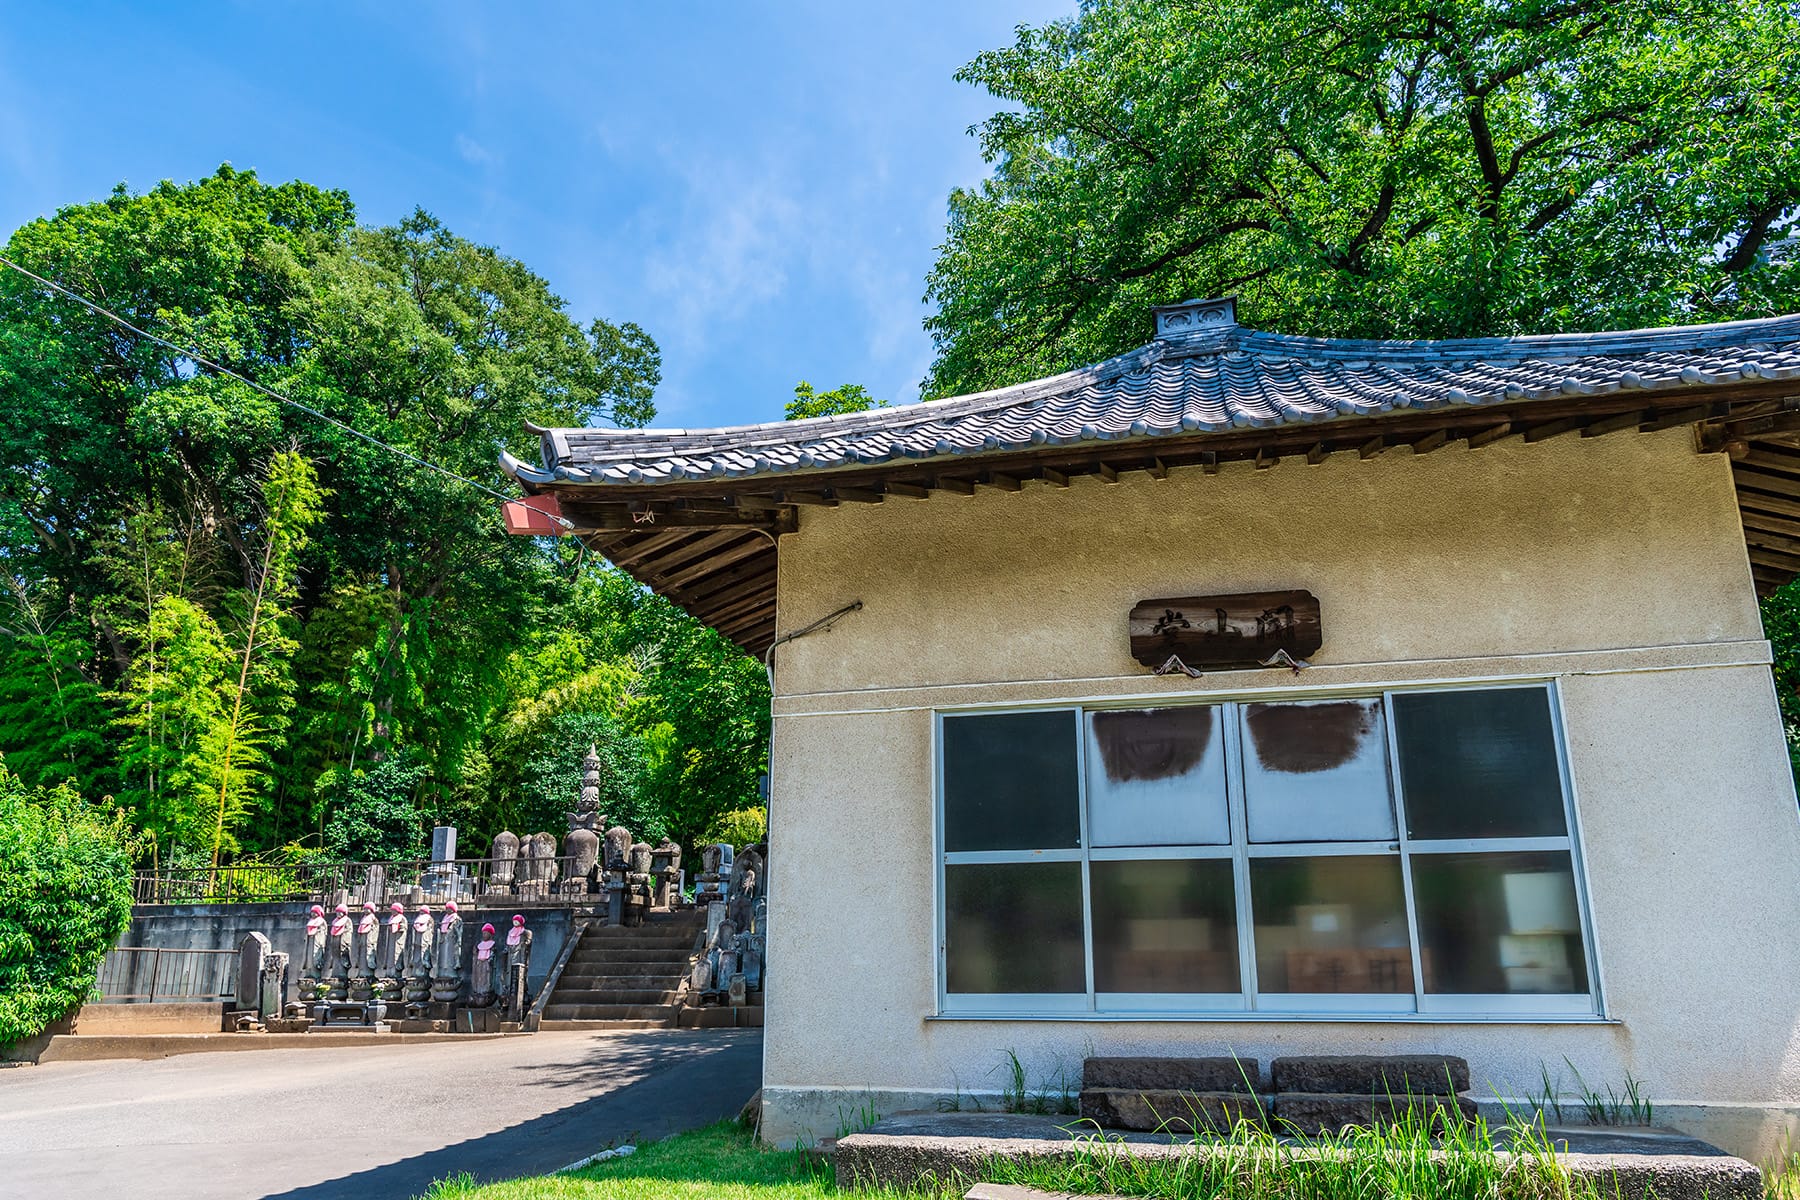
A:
[1203,373]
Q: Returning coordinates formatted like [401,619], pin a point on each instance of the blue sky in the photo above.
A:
[761,186]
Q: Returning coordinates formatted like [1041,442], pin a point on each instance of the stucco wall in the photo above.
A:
[1614,566]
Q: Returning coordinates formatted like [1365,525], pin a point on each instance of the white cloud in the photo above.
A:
[733,241]
[473,152]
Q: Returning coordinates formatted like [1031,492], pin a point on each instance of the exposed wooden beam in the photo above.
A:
[1549,429]
[1751,503]
[1317,454]
[911,491]
[816,499]
[712,565]
[1209,462]
[861,495]
[678,557]
[1786,527]
[1679,416]
[1106,472]
[1372,447]
[949,483]
[652,544]
[1053,476]
[764,582]
[1490,435]
[1157,469]
[1606,425]
[1003,481]
[1431,441]
[618,518]
[1265,460]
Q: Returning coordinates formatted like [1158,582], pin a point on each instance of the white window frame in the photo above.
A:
[1249,1003]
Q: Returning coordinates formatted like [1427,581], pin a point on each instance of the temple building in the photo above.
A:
[1260,694]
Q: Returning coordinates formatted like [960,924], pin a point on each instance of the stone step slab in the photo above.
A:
[613,996]
[552,1026]
[1314,1113]
[1169,1111]
[609,1012]
[1372,1074]
[610,979]
[1171,1074]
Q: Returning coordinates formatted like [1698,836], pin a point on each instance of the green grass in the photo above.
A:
[720,1162]
[1422,1157]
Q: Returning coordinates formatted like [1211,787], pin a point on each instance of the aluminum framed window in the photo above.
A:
[1222,857]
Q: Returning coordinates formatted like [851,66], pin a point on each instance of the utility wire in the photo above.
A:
[193,354]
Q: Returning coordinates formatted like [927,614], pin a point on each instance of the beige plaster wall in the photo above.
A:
[1614,566]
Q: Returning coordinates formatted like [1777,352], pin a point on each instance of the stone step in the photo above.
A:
[1314,1113]
[603,976]
[565,995]
[681,928]
[616,945]
[552,1026]
[632,959]
[1171,1074]
[1170,1110]
[1372,1074]
[608,1012]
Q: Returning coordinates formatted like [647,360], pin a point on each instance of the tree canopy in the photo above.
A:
[257,630]
[1372,168]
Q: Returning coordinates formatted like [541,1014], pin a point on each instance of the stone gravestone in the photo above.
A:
[252,952]
[441,878]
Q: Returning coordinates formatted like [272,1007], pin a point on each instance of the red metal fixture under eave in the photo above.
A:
[534,516]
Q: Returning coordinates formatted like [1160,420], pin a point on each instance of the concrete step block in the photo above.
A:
[1313,1113]
[551,1026]
[1372,1074]
[1169,1111]
[1172,1074]
[608,1012]
[617,996]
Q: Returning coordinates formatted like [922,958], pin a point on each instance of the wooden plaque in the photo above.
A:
[1226,632]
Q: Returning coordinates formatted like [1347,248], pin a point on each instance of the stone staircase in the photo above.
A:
[626,978]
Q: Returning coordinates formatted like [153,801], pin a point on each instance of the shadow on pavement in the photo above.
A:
[671,1087]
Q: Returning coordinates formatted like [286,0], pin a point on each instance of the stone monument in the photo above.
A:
[363,958]
[446,957]
[503,861]
[418,962]
[393,966]
[715,870]
[312,967]
[516,959]
[337,955]
[481,970]
[665,867]
[581,849]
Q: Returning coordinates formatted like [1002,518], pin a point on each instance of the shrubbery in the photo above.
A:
[65,897]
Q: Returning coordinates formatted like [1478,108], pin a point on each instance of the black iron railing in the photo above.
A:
[460,879]
[150,973]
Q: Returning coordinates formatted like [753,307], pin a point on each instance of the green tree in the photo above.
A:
[1417,168]
[846,398]
[65,897]
[375,817]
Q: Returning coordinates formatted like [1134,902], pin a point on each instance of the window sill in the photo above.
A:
[1409,1018]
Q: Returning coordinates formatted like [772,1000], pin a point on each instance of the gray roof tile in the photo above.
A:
[1221,378]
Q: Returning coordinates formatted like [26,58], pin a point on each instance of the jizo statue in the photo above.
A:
[481,972]
[315,942]
[368,937]
[396,926]
[340,940]
[446,969]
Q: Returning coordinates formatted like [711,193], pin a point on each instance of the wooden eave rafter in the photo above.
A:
[711,546]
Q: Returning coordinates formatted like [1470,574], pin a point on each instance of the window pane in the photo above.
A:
[1009,782]
[1499,923]
[1013,927]
[1479,764]
[1317,772]
[1330,924]
[1156,777]
[1164,926]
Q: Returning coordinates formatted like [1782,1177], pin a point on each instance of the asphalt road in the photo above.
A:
[370,1123]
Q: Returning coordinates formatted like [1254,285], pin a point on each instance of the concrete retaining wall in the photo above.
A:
[224,927]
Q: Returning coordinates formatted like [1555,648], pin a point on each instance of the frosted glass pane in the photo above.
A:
[1164,926]
[1156,777]
[1497,924]
[1317,771]
[1330,924]
[1479,764]
[1010,782]
[1013,927]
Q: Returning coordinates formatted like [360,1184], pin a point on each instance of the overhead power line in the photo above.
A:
[190,352]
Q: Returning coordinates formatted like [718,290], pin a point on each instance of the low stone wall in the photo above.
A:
[178,1016]
[224,927]
[904,1149]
